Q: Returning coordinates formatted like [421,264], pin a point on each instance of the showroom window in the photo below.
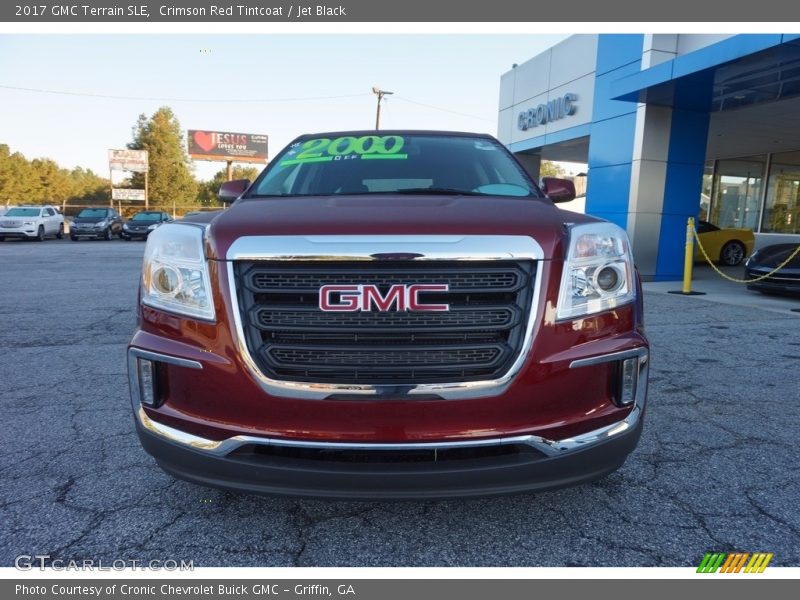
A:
[782,207]
[705,192]
[738,192]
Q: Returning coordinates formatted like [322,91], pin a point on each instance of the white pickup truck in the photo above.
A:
[34,222]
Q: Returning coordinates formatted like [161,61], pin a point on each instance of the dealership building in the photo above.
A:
[669,126]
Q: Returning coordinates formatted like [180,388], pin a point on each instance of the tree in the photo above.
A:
[548,168]
[170,180]
[210,189]
[42,181]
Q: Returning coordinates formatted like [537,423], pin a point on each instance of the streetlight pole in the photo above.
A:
[380,94]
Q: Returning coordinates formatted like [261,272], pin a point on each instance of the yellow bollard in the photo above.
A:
[688,257]
[688,262]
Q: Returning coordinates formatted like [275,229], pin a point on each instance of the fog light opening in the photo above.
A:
[628,380]
[147,382]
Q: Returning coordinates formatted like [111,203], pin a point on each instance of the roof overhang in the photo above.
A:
[739,71]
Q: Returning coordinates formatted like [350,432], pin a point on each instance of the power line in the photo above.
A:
[229,100]
[164,99]
[447,110]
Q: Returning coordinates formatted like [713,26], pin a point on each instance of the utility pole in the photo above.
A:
[380,94]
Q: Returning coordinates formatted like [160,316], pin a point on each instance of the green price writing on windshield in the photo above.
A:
[366,147]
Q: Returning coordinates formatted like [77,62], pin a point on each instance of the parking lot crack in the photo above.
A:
[748,493]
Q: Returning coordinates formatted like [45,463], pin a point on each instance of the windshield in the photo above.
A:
[146,216]
[23,212]
[89,213]
[398,163]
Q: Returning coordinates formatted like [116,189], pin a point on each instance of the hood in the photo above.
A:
[772,256]
[393,215]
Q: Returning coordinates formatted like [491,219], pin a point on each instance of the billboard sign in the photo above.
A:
[128,160]
[126,194]
[227,146]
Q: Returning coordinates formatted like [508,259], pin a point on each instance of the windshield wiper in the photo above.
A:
[437,191]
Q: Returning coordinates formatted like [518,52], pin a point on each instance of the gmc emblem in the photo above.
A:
[399,297]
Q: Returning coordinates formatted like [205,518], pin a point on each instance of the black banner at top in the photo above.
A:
[255,11]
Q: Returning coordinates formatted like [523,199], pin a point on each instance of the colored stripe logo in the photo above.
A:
[734,562]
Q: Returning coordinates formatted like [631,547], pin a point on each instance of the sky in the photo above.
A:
[228,82]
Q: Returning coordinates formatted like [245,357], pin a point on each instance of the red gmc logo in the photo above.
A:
[353,298]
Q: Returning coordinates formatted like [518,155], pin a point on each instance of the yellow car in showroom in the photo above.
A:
[728,247]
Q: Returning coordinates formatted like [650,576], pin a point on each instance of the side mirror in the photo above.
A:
[231,190]
[558,190]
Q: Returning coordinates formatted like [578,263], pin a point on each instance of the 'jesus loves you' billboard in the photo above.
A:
[225,145]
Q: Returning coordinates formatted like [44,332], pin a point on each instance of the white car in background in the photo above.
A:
[31,222]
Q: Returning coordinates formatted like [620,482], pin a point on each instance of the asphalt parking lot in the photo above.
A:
[716,468]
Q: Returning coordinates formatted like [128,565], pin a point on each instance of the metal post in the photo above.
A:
[146,192]
[688,261]
[764,192]
[688,257]
[229,174]
[111,186]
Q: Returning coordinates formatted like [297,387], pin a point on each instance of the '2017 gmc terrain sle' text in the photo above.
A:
[393,314]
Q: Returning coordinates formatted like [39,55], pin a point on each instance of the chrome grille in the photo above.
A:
[291,339]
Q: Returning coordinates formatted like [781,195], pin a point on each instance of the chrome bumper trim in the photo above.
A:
[376,248]
[166,358]
[548,447]
[614,356]
[134,354]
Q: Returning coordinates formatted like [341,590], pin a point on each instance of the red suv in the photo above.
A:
[394,314]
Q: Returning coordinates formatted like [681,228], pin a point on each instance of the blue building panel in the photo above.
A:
[604,105]
[607,193]
[570,133]
[613,130]
[688,137]
[686,158]
[529,144]
[617,50]
[612,141]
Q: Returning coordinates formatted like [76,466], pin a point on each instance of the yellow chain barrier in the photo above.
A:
[733,279]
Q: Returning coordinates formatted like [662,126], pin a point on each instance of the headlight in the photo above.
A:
[175,273]
[125,226]
[598,271]
[29,223]
[102,223]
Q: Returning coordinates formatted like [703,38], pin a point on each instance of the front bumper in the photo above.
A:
[786,281]
[18,233]
[416,470]
[94,233]
[135,234]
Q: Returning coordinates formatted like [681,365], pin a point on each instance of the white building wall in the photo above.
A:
[569,66]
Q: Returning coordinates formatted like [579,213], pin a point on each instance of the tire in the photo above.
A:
[107,235]
[73,238]
[60,234]
[732,253]
[40,234]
